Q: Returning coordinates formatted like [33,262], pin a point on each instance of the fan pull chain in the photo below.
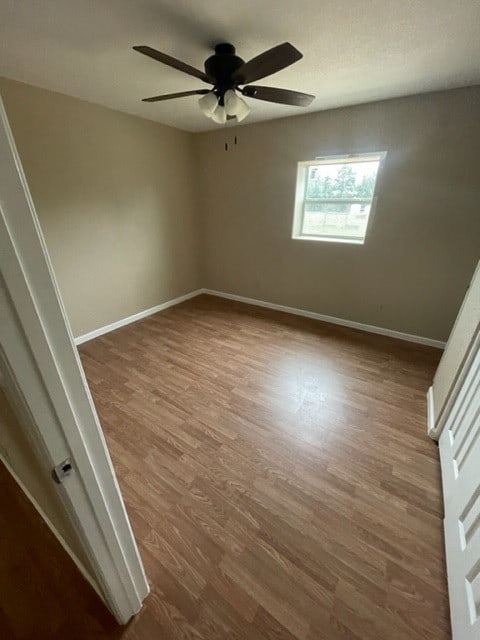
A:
[235,142]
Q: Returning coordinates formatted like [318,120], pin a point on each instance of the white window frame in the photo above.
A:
[300,195]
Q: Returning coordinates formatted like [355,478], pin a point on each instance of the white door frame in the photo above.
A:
[460,454]
[43,363]
[436,423]
[436,429]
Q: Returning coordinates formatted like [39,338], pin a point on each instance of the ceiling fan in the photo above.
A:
[227,72]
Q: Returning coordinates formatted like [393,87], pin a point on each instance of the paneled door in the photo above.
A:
[460,456]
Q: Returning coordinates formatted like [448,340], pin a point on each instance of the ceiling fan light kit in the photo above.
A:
[219,115]
[226,72]
[219,108]
[208,103]
[235,105]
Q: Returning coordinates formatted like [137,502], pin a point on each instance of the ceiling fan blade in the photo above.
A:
[182,94]
[282,96]
[271,61]
[172,62]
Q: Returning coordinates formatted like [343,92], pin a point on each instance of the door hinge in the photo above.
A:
[62,470]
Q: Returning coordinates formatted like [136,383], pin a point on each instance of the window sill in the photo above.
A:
[334,240]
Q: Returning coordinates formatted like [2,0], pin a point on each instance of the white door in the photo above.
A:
[460,457]
[47,381]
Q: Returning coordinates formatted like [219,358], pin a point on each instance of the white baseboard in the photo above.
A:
[137,316]
[431,414]
[51,526]
[260,303]
[331,319]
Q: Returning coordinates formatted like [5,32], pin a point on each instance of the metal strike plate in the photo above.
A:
[62,471]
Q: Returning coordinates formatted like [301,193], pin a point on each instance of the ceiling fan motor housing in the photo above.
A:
[227,72]
[221,66]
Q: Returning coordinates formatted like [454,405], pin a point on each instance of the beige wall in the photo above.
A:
[115,198]
[424,242]
[135,213]
[467,326]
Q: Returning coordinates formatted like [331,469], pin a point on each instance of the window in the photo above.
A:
[335,197]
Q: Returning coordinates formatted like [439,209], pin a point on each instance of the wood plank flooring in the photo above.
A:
[277,474]
[42,594]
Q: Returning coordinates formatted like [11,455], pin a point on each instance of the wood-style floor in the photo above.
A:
[278,478]
[42,594]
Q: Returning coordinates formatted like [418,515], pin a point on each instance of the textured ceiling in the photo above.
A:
[354,50]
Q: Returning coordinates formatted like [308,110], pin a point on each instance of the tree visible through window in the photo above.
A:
[334,197]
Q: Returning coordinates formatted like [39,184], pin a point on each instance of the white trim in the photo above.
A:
[331,319]
[460,373]
[464,369]
[268,305]
[136,316]
[368,156]
[453,331]
[50,525]
[431,414]
[338,240]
